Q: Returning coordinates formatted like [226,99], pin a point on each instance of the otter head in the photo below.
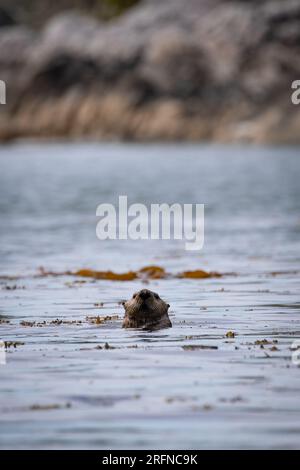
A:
[146,310]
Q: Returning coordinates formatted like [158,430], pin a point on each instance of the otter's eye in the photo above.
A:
[156,296]
[134,296]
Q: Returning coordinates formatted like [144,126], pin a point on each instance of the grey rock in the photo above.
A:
[215,69]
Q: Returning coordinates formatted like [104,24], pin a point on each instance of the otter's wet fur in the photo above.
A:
[146,310]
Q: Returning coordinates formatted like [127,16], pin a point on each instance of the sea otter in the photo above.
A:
[146,310]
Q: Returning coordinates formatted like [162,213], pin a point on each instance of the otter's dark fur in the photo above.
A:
[146,310]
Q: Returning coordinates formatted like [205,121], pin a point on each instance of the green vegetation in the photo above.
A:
[119,6]
[36,12]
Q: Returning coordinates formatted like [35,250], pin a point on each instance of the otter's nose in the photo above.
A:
[144,294]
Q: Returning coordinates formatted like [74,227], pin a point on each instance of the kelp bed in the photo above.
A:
[144,274]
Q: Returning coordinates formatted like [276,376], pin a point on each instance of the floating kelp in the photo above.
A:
[262,342]
[44,273]
[292,272]
[148,272]
[52,406]
[100,320]
[195,347]
[106,275]
[12,344]
[97,320]
[198,274]
[13,287]
[106,346]
[144,274]
[152,272]
[56,322]
[230,334]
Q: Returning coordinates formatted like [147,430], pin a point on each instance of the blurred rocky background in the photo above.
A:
[150,70]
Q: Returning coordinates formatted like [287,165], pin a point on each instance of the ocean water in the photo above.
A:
[59,389]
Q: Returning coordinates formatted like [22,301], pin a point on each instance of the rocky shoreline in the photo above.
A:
[218,70]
